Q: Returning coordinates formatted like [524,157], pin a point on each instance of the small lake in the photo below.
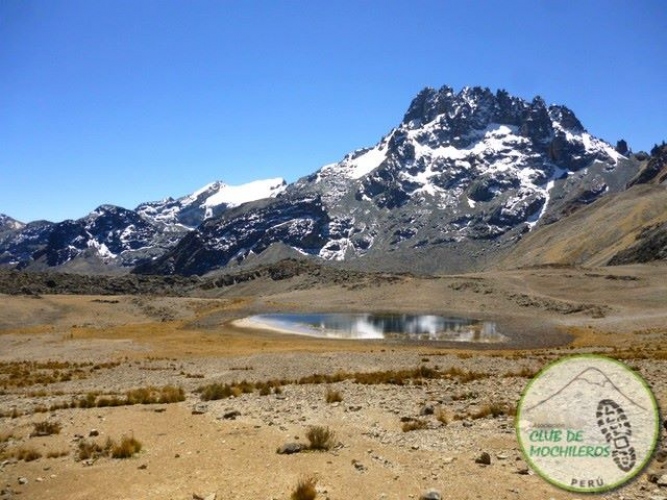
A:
[362,326]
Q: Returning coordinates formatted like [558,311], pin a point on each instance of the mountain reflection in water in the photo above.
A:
[423,327]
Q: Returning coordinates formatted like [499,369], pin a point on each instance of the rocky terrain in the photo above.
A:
[411,420]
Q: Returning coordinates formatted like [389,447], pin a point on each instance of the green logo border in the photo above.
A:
[606,488]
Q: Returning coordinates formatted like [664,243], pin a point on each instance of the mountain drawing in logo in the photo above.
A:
[592,383]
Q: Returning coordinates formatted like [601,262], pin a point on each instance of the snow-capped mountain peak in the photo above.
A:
[8,223]
[209,201]
[232,196]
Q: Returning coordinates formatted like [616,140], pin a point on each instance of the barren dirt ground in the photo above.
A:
[55,350]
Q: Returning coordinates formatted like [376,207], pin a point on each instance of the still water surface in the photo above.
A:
[422,327]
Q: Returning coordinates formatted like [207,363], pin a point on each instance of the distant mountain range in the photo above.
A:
[111,238]
[459,183]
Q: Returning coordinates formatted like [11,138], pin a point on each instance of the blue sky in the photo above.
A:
[124,101]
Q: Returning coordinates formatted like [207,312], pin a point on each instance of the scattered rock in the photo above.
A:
[23,480]
[427,410]
[211,496]
[431,495]
[231,415]
[94,433]
[290,448]
[199,409]
[484,459]
[662,480]
[143,467]
[358,465]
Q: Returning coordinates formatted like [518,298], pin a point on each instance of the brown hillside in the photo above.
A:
[593,235]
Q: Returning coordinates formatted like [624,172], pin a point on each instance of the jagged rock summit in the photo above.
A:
[456,183]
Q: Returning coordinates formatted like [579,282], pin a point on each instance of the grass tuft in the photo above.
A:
[57,454]
[332,396]
[45,428]
[442,416]
[414,425]
[305,489]
[494,410]
[320,438]
[27,454]
[90,450]
[128,447]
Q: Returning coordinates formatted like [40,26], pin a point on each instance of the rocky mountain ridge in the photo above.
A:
[456,185]
[458,181]
[9,224]
[112,238]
